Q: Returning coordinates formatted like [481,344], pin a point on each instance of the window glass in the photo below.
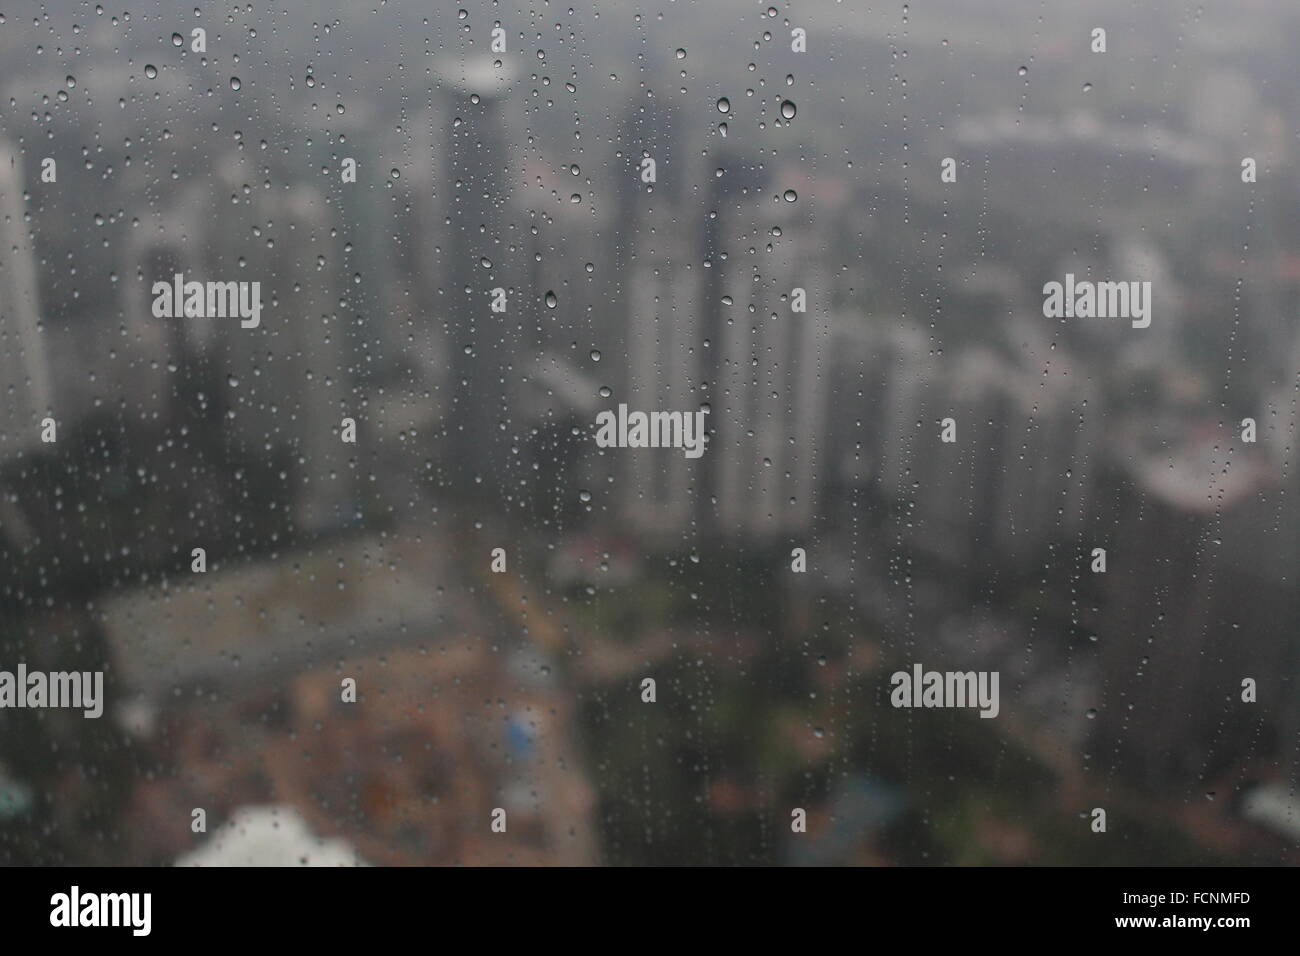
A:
[672,433]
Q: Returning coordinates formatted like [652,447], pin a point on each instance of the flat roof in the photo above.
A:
[251,621]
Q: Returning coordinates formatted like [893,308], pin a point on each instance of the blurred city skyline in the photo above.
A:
[458,251]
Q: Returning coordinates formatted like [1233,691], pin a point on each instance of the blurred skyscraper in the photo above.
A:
[477,260]
[26,391]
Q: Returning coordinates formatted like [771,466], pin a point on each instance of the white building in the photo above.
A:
[771,419]
[663,343]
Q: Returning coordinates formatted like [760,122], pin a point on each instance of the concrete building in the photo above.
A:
[26,396]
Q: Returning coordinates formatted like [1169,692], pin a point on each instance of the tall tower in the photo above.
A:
[767,319]
[663,365]
[24,372]
[772,387]
[476,180]
[289,382]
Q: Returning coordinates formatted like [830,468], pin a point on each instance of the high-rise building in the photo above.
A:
[288,382]
[770,416]
[663,374]
[26,394]
[477,259]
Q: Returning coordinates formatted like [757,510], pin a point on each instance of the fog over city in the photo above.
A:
[705,433]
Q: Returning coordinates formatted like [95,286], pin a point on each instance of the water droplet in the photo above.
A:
[551,300]
[724,105]
[1091,713]
[791,195]
[788,109]
[584,495]
[395,173]
[1087,87]
[681,54]
[150,70]
[71,81]
[235,83]
[177,39]
[1023,70]
[606,391]
[595,355]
